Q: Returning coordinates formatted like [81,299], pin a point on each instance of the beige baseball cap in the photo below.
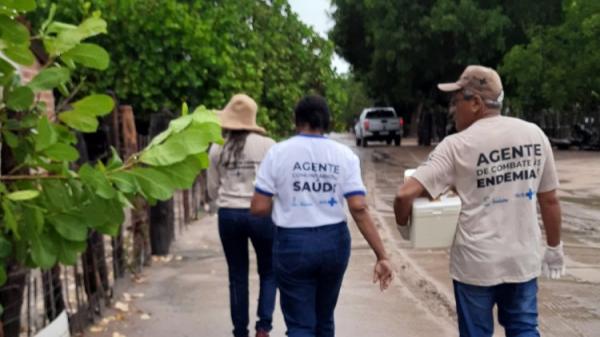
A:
[480,80]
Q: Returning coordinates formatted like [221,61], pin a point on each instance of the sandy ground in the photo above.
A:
[568,307]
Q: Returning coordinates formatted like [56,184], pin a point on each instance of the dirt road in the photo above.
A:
[568,307]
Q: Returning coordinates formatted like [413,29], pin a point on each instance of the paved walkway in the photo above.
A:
[188,296]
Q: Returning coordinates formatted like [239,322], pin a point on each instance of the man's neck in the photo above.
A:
[490,113]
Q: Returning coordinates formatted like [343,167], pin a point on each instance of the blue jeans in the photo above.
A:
[236,226]
[309,267]
[517,309]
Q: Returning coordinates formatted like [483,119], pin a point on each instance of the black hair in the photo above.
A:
[236,140]
[314,112]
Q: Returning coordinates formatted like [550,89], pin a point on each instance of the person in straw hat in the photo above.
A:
[500,167]
[231,176]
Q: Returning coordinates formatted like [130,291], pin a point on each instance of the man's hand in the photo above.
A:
[384,273]
[553,264]
[405,196]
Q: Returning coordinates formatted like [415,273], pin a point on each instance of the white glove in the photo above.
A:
[553,264]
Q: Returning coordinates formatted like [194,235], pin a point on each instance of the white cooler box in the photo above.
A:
[433,223]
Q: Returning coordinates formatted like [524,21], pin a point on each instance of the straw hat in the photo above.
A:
[240,114]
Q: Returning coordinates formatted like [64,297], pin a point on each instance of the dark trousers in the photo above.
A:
[309,267]
[517,309]
[236,226]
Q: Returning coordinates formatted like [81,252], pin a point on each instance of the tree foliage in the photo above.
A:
[401,49]
[558,69]
[166,51]
[48,204]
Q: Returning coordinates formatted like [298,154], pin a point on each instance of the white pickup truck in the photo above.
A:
[382,124]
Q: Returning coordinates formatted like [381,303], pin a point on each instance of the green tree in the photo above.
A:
[166,51]
[357,99]
[48,205]
[401,49]
[555,70]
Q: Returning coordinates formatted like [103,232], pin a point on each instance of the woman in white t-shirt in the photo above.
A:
[303,183]
[231,176]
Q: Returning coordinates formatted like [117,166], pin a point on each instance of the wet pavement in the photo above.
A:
[568,307]
[187,294]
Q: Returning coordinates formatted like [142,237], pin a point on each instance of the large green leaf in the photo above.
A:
[46,135]
[23,195]
[91,27]
[97,181]
[62,152]
[111,229]
[68,251]
[115,216]
[20,99]
[153,183]
[183,174]
[13,31]
[175,126]
[192,140]
[105,216]
[89,55]
[115,161]
[200,116]
[43,252]
[10,222]
[64,134]
[7,72]
[20,54]
[19,5]
[33,221]
[96,211]
[49,78]
[95,105]
[69,38]
[69,226]
[10,139]
[55,198]
[57,27]
[204,115]
[124,181]
[79,120]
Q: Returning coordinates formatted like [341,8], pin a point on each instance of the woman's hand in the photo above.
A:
[384,273]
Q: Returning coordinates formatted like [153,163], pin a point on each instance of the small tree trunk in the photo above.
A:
[95,270]
[141,234]
[162,217]
[414,121]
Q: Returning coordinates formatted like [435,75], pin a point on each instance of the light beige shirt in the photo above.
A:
[497,166]
[233,186]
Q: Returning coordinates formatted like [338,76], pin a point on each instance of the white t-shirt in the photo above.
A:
[232,185]
[497,166]
[309,176]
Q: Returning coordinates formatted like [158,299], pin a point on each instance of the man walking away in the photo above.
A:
[499,166]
